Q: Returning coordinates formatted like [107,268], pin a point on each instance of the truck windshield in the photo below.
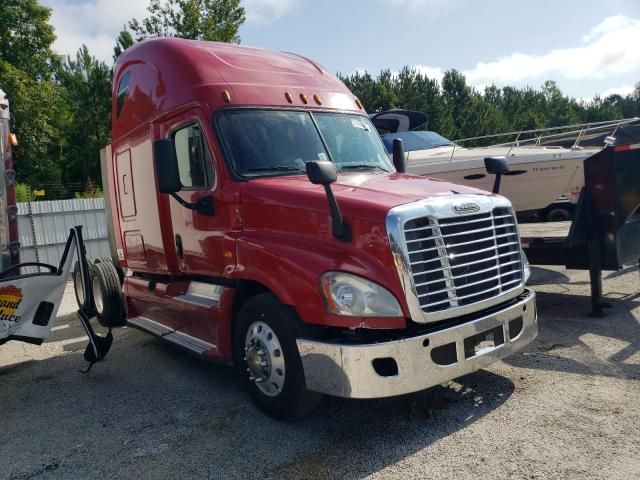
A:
[280,142]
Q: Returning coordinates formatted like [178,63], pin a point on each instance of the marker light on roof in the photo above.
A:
[288,96]
[316,97]
[226,96]
[303,97]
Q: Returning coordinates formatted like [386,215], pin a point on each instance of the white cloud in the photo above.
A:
[431,72]
[607,25]
[609,49]
[266,11]
[96,23]
[622,91]
[414,4]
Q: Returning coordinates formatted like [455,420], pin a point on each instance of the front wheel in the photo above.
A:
[267,356]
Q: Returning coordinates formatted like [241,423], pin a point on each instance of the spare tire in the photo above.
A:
[77,288]
[106,294]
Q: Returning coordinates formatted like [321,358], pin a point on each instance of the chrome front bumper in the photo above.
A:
[413,364]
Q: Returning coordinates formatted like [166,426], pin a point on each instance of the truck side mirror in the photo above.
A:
[497,166]
[321,172]
[166,165]
[398,155]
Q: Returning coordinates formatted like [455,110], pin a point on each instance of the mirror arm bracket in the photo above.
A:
[203,206]
[340,228]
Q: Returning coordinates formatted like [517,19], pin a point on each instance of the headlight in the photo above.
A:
[527,268]
[346,294]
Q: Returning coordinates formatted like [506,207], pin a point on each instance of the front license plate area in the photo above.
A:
[480,342]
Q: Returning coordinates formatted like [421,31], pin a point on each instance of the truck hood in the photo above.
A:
[365,196]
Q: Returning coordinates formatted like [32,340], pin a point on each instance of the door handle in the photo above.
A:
[179,248]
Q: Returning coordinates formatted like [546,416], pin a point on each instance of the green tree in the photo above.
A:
[363,86]
[559,110]
[385,95]
[26,63]
[457,98]
[22,192]
[26,37]
[36,111]
[216,20]
[86,89]
[482,118]
[416,91]
[124,41]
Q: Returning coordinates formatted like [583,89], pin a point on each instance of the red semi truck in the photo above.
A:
[258,220]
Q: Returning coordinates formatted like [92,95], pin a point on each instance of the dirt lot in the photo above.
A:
[567,407]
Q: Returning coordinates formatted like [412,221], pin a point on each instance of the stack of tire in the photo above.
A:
[106,281]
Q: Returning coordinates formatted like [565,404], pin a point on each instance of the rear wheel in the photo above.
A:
[267,356]
[77,288]
[106,294]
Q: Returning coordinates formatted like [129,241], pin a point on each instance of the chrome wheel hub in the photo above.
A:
[265,362]
[78,286]
[97,294]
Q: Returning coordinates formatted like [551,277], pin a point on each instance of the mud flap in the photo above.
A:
[29,303]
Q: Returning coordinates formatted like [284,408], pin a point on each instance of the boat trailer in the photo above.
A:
[605,233]
[29,302]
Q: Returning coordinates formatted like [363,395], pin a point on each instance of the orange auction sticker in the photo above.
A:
[10,299]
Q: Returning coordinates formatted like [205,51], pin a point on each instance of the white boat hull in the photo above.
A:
[538,175]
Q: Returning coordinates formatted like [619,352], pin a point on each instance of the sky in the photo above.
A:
[588,47]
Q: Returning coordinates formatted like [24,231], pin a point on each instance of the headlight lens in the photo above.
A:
[347,294]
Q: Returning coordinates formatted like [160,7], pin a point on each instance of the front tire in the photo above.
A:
[267,356]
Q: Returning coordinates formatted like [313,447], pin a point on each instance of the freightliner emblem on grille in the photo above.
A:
[466,208]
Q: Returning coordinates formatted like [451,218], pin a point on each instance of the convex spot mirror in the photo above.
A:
[166,165]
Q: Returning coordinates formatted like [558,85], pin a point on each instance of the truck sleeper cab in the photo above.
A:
[259,221]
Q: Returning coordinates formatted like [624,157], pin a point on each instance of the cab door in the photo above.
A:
[198,238]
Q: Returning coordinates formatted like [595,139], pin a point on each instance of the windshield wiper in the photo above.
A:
[362,166]
[275,168]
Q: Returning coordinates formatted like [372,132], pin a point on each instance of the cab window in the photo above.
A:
[123,88]
[194,160]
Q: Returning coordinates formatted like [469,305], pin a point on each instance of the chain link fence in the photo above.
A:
[44,228]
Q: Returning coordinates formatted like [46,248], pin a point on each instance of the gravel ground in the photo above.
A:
[566,407]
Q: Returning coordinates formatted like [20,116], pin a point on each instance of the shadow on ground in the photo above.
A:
[568,336]
[153,410]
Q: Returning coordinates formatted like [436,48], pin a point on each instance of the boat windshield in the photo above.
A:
[416,140]
[261,143]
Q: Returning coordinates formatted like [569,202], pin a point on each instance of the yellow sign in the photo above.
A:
[39,193]
[10,299]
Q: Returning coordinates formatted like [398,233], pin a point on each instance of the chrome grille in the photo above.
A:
[463,260]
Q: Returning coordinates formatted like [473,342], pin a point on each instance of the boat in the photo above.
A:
[545,164]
